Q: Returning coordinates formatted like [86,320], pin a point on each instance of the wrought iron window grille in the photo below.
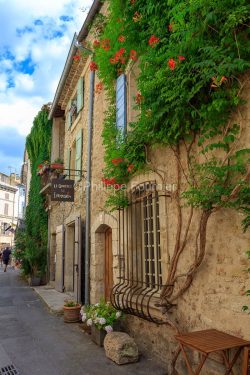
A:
[139,254]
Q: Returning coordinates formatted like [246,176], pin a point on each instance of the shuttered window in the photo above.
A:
[6,209]
[121,103]
[78,159]
[69,116]
[68,163]
[80,94]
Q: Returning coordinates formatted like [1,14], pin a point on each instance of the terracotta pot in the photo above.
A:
[72,314]
[56,166]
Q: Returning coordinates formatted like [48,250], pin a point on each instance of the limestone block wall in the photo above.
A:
[216,296]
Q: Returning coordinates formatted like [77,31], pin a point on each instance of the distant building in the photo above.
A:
[12,206]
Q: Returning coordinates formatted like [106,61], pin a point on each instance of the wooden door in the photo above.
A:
[108,264]
[77,259]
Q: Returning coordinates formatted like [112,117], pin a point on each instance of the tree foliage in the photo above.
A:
[32,243]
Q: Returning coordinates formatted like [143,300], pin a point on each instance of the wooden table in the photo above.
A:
[207,342]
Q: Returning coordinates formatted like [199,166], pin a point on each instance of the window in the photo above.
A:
[6,209]
[140,263]
[76,104]
[4,226]
[7,196]
[78,155]
[121,104]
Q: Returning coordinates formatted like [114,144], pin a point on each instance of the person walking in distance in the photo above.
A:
[6,257]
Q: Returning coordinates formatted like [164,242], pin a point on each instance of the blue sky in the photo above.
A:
[34,40]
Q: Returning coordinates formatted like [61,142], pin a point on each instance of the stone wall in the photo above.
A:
[216,296]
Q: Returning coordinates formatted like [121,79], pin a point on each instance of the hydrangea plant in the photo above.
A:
[102,315]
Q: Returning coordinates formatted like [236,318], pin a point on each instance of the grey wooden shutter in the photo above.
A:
[68,163]
[69,115]
[78,160]
[121,103]
[80,93]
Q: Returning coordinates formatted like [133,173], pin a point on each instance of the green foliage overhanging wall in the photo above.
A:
[194,57]
[33,243]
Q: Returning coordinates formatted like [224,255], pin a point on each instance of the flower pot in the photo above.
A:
[98,335]
[71,314]
[57,166]
[34,280]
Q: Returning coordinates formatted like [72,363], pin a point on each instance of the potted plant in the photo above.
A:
[57,165]
[102,318]
[71,311]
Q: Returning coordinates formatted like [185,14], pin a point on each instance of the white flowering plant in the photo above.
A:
[102,315]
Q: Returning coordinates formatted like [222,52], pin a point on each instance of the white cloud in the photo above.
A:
[34,42]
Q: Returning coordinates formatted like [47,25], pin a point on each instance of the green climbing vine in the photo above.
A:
[31,243]
[193,58]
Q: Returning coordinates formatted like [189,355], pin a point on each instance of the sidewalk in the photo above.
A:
[52,298]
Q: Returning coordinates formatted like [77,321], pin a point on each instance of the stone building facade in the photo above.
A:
[117,254]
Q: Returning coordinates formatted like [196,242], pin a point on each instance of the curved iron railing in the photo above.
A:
[140,268]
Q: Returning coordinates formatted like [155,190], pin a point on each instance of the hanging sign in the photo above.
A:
[62,190]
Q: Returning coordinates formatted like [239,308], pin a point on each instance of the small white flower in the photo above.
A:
[89,322]
[102,321]
[84,316]
[97,304]
[108,329]
[118,314]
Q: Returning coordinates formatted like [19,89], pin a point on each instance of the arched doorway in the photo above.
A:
[108,264]
[104,256]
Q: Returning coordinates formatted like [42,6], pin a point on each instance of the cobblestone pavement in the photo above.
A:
[39,343]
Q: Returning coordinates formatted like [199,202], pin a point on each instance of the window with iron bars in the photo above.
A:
[140,268]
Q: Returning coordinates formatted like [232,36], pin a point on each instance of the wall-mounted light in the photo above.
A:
[83,49]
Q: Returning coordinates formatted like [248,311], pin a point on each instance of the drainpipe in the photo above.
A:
[88,189]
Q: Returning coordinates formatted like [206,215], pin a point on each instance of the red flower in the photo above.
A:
[96,43]
[108,181]
[181,58]
[93,66]
[223,79]
[133,55]
[136,17]
[130,168]
[105,43]
[153,40]
[98,87]
[76,57]
[117,186]
[170,27]
[171,64]
[117,161]
[40,166]
[121,39]
[139,98]
[118,57]
[132,1]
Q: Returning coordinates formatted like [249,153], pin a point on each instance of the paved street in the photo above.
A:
[37,342]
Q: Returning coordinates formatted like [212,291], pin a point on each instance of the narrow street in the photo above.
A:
[37,342]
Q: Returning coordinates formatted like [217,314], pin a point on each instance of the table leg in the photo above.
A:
[173,363]
[190,371]
[228,364]
[204,357]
